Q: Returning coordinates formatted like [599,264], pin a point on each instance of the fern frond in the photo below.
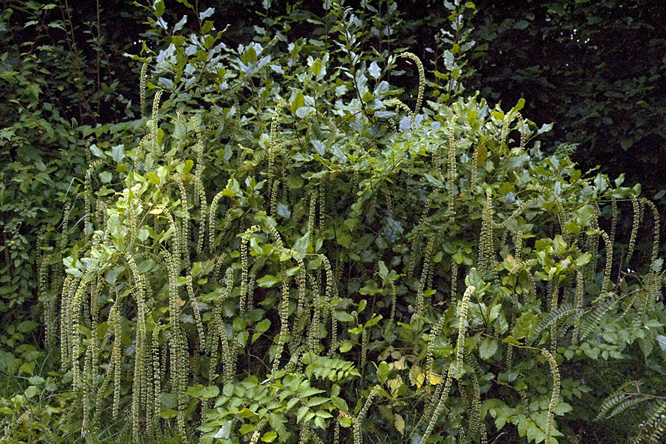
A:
[628,402]
[613,399]
[591,321]
[333,369]
[653,428]
[552,318]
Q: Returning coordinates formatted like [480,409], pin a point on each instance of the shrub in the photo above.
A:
[283,249]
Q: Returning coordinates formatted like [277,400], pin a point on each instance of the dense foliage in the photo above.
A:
[595,67]
[278,243]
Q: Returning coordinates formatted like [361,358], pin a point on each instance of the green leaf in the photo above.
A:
[31,391]
[168,413]
[525,325]
[225,430]
[27,326]
[343,316]
[111,275]
[246,413]
[269,436]
[299,100]
[301,413]
[268,281]
[662,342]
[153,178]
[521,102]
[315,401]
[96,151]
[159,8]
[316,67]
[302,245]
[118,153]
[105,177]
[488,348]
[374,70]
[232,189]
[249,55]
[522,24]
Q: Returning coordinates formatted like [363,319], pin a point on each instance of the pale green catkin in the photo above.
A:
[300,282]
[509,353]
[486,239]
[114,325]
[334,332]
[454,279]
[331,288]
[142,86]
[68,290]
[245,239]
[140,350]
[212,214]
[593,248]
[365,338]
[49,303]
[462,328]
[609,261]
[228,357]
[177,242]
[274,188]
[427,265]
[312,213]
[656,230]
[200,147]
[394,302]
[199,187]
[157,378]
[358,437]
[613,220]
[634,230]
[399,105]
[257,430]
[156,148]
[524,131]
[419,64]
[93,346]
[177,344]
[336,433]
[431,345]
[440,404]
[184,231]
[555,372]
[553,296]
[313,331]
[322,207]
[87,196]
[274,123]
[475,163]
[475,424]
[197,313]
[452,171]
[284,327]
[433,400]
[578,302]
[216,326]
[72,330]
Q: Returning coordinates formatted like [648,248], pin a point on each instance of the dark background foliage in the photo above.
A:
[594,67]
